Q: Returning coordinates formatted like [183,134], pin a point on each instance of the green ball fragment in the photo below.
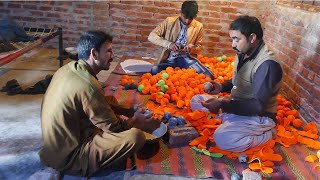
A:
[223,58]
[161,93]
[219,58]
[140,87]
[165,75]
[164,88]
[161,82]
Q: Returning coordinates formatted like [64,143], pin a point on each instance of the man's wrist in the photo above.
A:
[168,46]
[130,122]
[223,103]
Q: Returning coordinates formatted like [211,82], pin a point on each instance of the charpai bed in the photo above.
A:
[11,50]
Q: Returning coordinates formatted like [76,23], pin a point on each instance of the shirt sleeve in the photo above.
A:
[227,86]
[100,113]
[198,43]
[268,75]
[157,35]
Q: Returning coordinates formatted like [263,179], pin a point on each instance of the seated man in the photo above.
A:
[80,129]
[249,114]
[178,34]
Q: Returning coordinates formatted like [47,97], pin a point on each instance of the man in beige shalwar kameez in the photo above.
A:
[81,132]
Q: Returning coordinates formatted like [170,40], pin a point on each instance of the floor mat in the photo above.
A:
[183,161]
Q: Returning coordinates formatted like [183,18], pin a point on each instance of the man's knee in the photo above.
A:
[229,141]
[137,137]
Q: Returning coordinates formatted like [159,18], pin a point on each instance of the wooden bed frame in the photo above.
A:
[41,35]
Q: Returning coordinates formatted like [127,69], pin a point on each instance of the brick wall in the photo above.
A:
[130,21]
[292,33]
[294,36]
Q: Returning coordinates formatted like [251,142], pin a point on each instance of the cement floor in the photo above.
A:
[20,129]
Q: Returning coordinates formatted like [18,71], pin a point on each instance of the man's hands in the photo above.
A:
[144,120]
[137,106]
[212,104]
[174,47]
[216,88]
[178,48]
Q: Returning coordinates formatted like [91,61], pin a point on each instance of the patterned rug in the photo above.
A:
[183,161]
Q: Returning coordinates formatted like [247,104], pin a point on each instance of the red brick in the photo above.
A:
[169,11]
[210,44]
[60,9]
[211,9]
[29,6]
[118,19]
[146,3]
[203,14]
[101,18]
[145,33]
[133,32]
[28,19]
[218,3]
[45,8]
[162,4]
[4,11]
[64,3]
[12,5]
[101,6]
[228,10]
[316,91]
[143,14]
[233,16]
[311,76]
[53,15]
[315,102]
[129,2]
[84,5]
[303,82]
[128,37]
[224,45]
[176,5]
[131,13]
[314,67]
[146,27]
[37,13]
[141,49]
[238,4]
[317,80]
[48,2]
[159,17]
[213,38]
[147,21]
[314,114]
[150,9]
[213,26]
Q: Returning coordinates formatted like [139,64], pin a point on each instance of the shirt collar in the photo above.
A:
[255,52]
[87,67]
[193,23]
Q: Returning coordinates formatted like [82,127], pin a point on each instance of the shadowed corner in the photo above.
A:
[148,150]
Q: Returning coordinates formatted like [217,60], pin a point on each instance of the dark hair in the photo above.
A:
[247,25]
[91,39]
[189,9]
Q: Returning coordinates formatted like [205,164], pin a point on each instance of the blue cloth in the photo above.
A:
[181,40]
[11,31]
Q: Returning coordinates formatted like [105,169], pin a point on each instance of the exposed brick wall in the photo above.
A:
[292,33]
[130,21]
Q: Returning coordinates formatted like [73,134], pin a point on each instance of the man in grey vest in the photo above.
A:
[249,114]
